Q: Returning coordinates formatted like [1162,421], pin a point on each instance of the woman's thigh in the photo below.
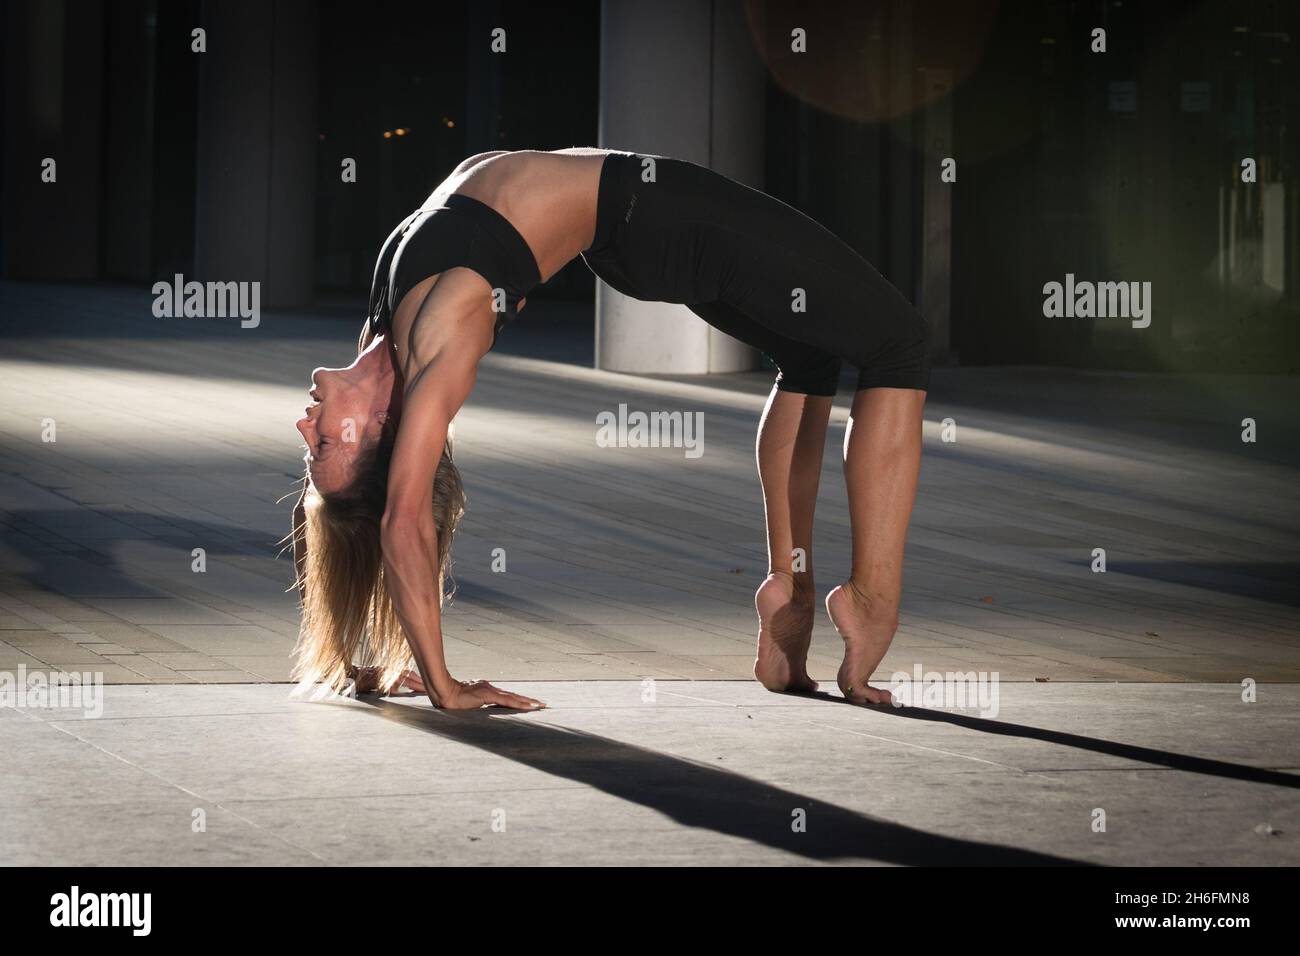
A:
[801,368]
[791,275]
[803,283]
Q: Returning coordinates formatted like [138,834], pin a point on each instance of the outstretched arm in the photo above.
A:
[435,390]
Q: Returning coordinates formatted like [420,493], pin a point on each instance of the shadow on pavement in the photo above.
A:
[1161,758]
[1272,581]
[74,552]
[697,795]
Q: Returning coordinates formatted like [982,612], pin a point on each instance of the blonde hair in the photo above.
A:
[348,617]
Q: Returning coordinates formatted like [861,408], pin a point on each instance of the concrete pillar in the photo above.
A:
[53,63]
[257,141]
[679,78]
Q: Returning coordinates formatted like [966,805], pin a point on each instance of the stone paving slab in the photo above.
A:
[624,561]
[1120,691]
[1187,774]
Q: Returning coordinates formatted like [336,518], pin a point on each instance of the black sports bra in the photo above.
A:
[461,232]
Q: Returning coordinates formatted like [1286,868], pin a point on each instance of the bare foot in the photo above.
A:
[785,626]
[866,639]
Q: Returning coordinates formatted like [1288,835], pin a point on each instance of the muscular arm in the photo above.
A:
[435,391]
[444,355]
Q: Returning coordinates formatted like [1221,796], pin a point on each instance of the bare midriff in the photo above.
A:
[550,198]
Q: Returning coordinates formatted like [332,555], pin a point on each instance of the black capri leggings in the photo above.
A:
[757,269]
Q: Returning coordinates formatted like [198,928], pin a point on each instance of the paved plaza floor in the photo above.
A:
[140,544]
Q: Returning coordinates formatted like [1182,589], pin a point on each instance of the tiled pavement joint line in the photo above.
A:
[515,788]
[108,720]
[702,700]
[1146,768]
[176,786]
[904,743]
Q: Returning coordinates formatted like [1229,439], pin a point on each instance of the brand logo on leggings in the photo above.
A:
[627,216]
[211,300]
[651,430]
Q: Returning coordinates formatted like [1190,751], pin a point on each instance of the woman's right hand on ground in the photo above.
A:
[467,695]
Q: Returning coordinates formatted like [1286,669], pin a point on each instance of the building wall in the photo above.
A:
[1124,166]
[53,109]
[1121,166]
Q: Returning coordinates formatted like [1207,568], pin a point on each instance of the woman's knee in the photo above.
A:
[814,373]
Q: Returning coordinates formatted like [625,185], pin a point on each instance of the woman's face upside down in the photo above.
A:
[348,410]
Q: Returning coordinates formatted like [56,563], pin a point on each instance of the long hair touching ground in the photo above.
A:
[348,617]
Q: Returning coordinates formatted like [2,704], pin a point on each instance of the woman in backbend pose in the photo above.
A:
[381,499]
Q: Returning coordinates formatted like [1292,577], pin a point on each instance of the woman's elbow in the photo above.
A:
[401,531]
